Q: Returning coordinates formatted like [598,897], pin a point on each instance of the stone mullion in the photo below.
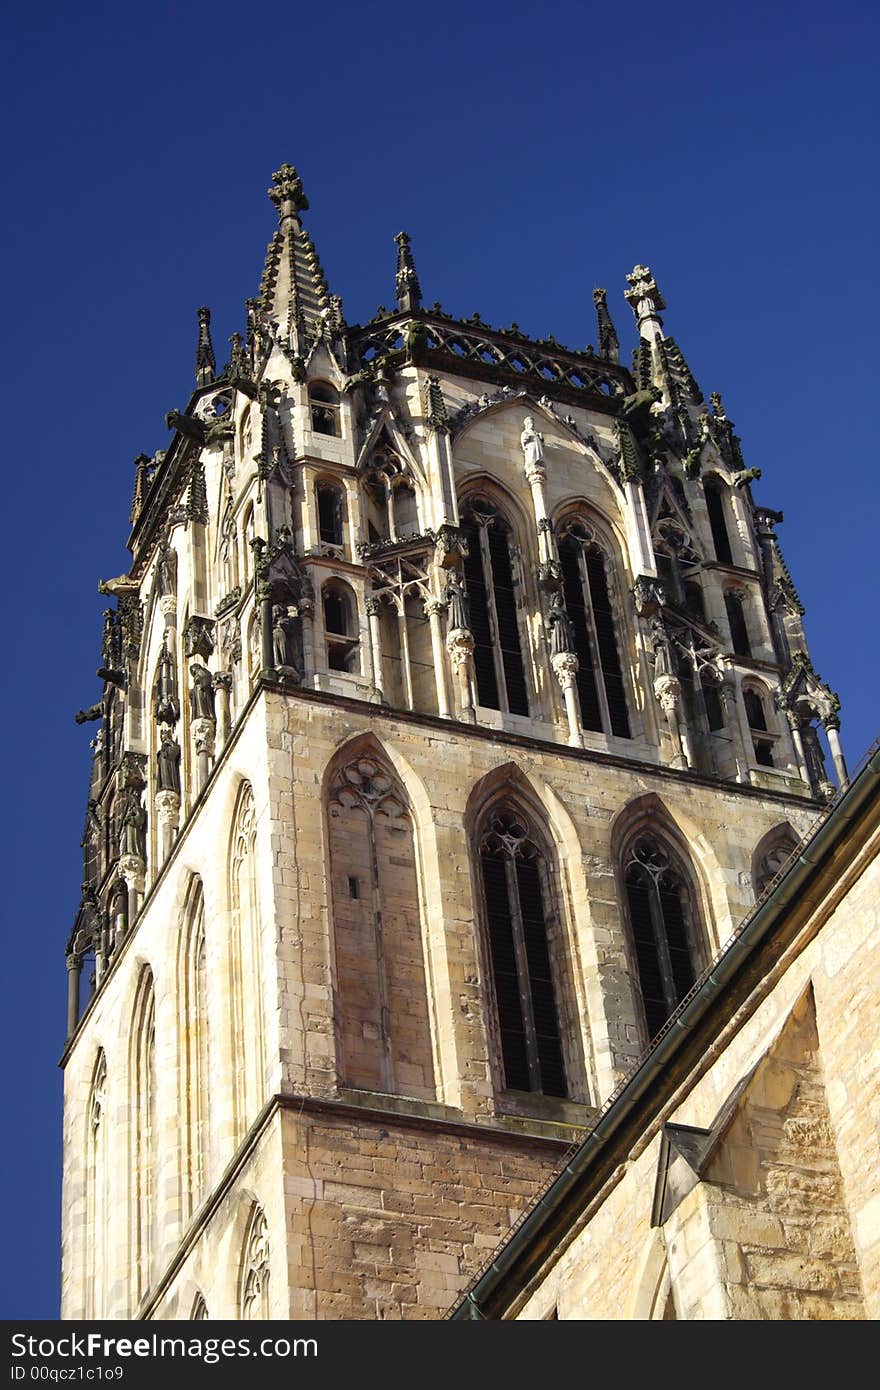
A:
[658,927]
[381,975]
[522,970]
[489,582]
[592,638]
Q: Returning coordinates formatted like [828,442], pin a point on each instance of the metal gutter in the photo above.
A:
[526,1248]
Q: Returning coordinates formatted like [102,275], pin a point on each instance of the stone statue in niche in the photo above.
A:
[459,616]
[134,825]
[284,629]
[664,659]
[166,570]
[167,708]
[532,443]
[201,697]
[168,763]
[561,627]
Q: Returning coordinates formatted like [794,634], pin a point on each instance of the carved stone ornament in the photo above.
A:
[532,443]
[565,667]
[202,693]
[133,870]
[168,808]
[649,596]
[199,637]
[204,732]
[460,645]
[668,692]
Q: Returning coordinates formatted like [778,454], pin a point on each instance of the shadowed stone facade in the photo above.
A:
[455,707]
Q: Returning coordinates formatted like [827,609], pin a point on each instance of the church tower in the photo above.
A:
[455,708]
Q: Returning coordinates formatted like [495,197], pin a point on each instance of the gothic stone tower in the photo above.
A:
[455,708]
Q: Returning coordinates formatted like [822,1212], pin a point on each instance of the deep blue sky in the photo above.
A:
[532,153]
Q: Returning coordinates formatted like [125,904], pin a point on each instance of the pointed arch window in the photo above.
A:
[331,513]
[144,1077]
[324,408]
[248,1044]
[340,627]
[663,928]
[391,505]
[588,582]
[739,632]
[756,718]
[384,1033]
[717,521]
[97,1208]
[492,591]
[254,1297]
[516,898]
[196,1048]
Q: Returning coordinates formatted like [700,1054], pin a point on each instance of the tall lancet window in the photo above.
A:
[144,1075]
[492,590]
[97,1206]
[195,1097]
[714,489]
[384,1035]
[248,1043]
[588,579]
[516,902]
[254,1295]
[663,925]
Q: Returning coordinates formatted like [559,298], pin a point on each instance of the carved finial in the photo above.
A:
[287,193]
[645,300]
[238,367]
[409,291]
[206,365]
[435,405]
[609,344]
[141,482]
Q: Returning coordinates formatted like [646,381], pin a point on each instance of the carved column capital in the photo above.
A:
[460,645]
[168,606]
[204,732]
[565,666]
[434,607]
[168,807]
[372,606]
[73,961]
[133,870]
[536,474]
[222,680]
[668,692]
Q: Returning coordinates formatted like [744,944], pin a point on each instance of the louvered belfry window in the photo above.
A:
[659,916]
[491,592]
[588,600]
[515,896]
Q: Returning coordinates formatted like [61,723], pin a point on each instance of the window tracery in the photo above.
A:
[662,926]
[492,584]
[588,582]
[255,1269]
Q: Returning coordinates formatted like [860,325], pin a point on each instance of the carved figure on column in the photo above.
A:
[284,632]
[664,658]
[134,825]
[202,692]
[166,570]
[455,596]
[532,445]
[561,628]
[167,704]
[168,762]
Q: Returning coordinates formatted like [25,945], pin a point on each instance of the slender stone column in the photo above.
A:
[306,608]
[460,646]
[668,692]
[797,739]
[566,666]
[267,650]
[832,729]
[168,816]
[74,970]
[375,645]
[536,475]
[434,608]
[222,682]
[168,609]
[731,719]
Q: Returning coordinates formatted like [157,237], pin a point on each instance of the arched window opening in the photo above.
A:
[771,857]
[491,591]
[248,532]
[718,521]
[331,513]
[97,1207]
[693,600]
[406,514]
[254,1296]
[340,629]
[739,632]
[199,1310]
[661,920]
[391,508]
[228,551]
[246,962]
[757,721]
[382,1019]
[324,408]
[714,707]
[144,1077]
[196,1051]
[676,556]
[586,576]
[516,898]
